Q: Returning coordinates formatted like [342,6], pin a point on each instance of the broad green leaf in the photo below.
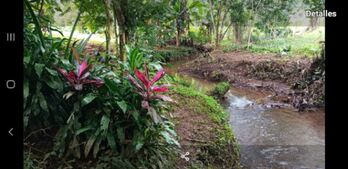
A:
[89,144]
[111,85]
[195,4]
[104,122]
[42,102]
[135,115]
[157,66]
[82,130]
[74,146]
[36,23]
[25,89]
[88,99]
[139,145]
[52,72]
[169,139]
[123,105]
[76,107]
[25,121]
[96,147]
[71,118]
[170,130]
[54,84]
[120,134]
[155,117]
[39,68]
[111,141]
[26,59]
[65,61]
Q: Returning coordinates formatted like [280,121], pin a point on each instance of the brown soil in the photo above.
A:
[285,79]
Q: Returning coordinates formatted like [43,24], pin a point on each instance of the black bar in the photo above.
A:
[11,83]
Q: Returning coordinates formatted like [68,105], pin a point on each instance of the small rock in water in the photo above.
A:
[283,163]
[268,106]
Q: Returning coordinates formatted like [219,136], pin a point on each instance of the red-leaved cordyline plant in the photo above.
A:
[80,77]
[148,90]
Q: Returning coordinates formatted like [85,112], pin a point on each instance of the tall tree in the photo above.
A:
[219,11]
[180,8]
[314,5]
[239,18]
[267,14]
[120,16]
[109,19]
[254,7]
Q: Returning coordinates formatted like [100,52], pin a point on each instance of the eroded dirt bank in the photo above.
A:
[299,82]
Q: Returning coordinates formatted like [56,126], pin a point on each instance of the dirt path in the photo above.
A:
[289,81]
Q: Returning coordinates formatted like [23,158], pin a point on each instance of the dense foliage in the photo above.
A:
[89,107]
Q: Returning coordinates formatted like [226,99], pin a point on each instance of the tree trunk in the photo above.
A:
[217,36]
[211,5]
[107,5]
[249,34]
[217,33]
[238,33]
[254,11]
[313,23]
[107,41]
[116,32]
[177,33]
[121,46]
[121,25]
[223,34]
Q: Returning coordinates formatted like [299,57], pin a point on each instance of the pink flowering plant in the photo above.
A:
[147,89]
[80,77]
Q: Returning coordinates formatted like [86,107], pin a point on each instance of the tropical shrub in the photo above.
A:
[198,36]
[113,116]
[88,109]
[97,109]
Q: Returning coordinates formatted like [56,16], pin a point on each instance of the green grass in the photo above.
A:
[306,44]
[224,149]
[207,104]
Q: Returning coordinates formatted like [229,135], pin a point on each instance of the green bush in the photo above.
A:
[220,89]
[198,36]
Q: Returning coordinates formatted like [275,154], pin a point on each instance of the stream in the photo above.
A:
[276,138]
[271,138]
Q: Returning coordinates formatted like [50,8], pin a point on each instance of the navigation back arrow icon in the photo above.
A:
[10,131]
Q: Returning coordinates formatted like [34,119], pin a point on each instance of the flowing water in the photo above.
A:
[272,138]
[276,138]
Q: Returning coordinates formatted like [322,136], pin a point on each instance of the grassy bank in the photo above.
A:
[203,130]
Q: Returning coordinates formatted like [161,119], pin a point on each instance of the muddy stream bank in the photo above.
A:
[270,136]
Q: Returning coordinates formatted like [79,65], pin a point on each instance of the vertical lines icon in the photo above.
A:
[10,37]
